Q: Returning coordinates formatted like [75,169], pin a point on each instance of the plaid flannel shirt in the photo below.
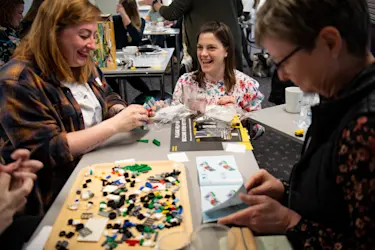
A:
[37,113]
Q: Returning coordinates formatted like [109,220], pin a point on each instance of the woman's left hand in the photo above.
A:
[120,9]
[225,100]
[265,215]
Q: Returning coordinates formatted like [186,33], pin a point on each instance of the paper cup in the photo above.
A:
[293,97]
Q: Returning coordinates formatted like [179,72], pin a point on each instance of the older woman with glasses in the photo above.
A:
[329,200]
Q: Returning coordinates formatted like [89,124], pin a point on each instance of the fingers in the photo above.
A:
[142,118]
[25,175]
[241,218]
[253,199]
[25,189]
[31,166]
[10,168]
[4,181]
[22,154]
[255,180]
[136,109]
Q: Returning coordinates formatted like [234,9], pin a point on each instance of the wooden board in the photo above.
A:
[245,239]
[101,171]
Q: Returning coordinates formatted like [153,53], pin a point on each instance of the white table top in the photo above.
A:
[123,147]
[158,64]
[277,119]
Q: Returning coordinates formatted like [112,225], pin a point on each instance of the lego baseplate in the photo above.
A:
[161,193]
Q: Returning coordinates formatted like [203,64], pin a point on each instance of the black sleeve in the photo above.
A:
[176,9]
[239,8]
[136,34]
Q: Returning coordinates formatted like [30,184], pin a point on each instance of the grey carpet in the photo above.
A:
[273,152]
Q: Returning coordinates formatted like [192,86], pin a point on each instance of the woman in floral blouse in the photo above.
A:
[329,200]
[217,80]
[10,18]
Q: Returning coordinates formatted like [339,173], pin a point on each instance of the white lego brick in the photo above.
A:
[97,227]
[110,188]
[113,197]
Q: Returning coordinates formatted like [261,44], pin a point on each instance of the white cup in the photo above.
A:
[293,97]
[130,50]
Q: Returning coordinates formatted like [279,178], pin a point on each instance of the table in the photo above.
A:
[278,120]
[121,73]
[166,32]
[123,147]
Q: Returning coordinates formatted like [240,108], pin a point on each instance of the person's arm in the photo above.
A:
[178,89]
[136,34]
[124,16]
[356,179]
[249,97]
[112,99]
[239,6]
[175,10]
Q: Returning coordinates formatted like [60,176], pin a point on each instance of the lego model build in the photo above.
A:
[114,206]
[105,53]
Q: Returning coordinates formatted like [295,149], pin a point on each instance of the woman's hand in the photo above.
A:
[22,164]
[130,118]
[263,183]
[225,100]
[120,9]
[265,215]
[12,199]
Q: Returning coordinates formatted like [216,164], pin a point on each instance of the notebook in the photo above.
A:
[220,183]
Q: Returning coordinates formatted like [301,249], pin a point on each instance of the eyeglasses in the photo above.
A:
[278,65]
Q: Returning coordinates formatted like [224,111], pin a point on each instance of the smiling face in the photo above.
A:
[76,42]
[211,53]
[17,17]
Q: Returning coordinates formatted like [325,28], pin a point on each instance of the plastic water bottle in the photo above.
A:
[308,100]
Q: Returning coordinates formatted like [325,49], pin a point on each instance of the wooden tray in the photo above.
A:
[101,171]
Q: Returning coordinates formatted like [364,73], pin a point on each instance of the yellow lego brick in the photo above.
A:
[299,132]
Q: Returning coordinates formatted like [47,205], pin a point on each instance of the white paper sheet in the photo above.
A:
[179,157]
[236,148]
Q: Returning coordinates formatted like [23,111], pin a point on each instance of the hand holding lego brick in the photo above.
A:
[131,117]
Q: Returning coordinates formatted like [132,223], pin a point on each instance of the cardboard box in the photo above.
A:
[104,55]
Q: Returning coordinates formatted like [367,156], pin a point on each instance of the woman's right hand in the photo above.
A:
[130,118]
[263,183]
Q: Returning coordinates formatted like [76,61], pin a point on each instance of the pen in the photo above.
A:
[140,67]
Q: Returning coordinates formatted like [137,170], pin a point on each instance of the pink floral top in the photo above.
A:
[246,92]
